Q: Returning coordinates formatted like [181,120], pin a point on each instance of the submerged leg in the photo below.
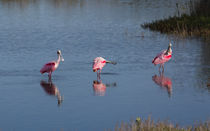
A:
[161,68]
[99,74]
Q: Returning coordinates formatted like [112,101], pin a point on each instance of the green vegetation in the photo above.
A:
[150,125]
[197,23]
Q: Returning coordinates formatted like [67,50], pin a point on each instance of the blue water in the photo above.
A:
[32,31]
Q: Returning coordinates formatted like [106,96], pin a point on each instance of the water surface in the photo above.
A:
[32,31]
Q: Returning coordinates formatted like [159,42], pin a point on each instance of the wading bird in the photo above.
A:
[52,66]
[99,63]
[163,57]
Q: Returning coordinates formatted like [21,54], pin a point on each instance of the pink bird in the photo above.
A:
[163,57]
[99,63]
[52,66]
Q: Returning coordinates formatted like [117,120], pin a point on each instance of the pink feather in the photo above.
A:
[99,63]
[162,58]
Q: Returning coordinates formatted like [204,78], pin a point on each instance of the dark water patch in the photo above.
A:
[109,73]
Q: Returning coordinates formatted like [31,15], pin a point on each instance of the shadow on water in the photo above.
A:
[109,73]
[51,89]
[99,88]
[164,82]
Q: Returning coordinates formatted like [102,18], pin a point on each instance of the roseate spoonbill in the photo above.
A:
[51,89]
[53,65]
[163,57]
[99,63]
[164,82]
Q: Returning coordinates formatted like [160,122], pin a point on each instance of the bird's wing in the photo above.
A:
[159,56]
[52,63]
[48,66]
[99,63]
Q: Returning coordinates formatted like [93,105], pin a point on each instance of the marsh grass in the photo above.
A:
[150,125]
[197,23]
[184,25]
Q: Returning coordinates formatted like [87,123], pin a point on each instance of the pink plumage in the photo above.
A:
[98,63]
[163,57]
[49,67]
[52,66]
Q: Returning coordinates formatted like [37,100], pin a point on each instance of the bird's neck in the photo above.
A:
[168,50]
[59,59]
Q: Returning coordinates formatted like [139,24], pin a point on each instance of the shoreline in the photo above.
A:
[196,23]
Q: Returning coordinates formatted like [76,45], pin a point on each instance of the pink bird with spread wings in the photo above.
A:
[52,66]
[163,57]
[99,63]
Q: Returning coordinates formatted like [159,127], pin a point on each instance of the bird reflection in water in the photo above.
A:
[99,88]
[51,89]
[164,82]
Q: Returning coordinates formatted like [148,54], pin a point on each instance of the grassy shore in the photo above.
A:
[150,125]
[197,23]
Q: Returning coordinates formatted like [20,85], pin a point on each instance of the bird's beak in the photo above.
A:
[62,59]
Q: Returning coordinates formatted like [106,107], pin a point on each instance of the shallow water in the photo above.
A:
[32,31]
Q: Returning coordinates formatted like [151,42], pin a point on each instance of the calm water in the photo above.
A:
[31,31]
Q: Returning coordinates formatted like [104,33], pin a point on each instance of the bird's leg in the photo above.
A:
[49,75]
[99,74]
[163,68]
[50,80]
[99,78]
[159,69]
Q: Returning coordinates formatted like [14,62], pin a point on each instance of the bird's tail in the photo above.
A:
[111,62]
[153,61]
[42,71]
